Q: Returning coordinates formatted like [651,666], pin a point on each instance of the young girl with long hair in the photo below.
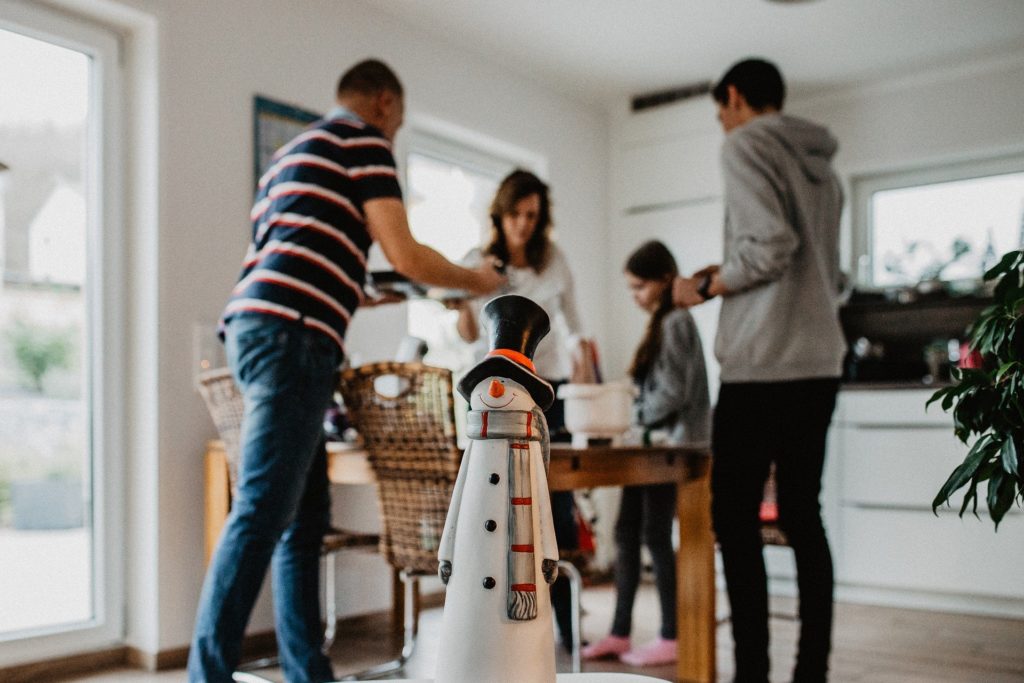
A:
[668,370]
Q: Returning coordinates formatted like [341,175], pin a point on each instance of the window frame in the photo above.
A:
[864,187]
[106,305]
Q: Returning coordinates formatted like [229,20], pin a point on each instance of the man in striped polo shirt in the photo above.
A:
[328,195]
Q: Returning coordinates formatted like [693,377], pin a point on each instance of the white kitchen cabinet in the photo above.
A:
[896,466]
[888,457]
[906,549]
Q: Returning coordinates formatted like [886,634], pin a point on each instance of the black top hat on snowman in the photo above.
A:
[515,325]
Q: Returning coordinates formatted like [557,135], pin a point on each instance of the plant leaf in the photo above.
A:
[1005,263]
[971,494]
[1001,499]
[1009,453]
[1008,288]
[1005,368]
[963,473]
[936,396]
[947,402]
[994,483]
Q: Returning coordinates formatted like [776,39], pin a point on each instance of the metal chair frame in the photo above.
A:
[575,591]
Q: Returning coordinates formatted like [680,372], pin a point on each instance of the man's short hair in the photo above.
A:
[369,77]
[758,80]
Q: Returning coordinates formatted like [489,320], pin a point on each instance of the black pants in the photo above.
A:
[754,425]
[645,514]
[563,516]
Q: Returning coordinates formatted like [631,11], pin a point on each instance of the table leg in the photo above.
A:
[695,567]
[217,498]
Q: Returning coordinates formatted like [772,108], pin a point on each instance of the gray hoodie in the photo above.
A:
[782,208]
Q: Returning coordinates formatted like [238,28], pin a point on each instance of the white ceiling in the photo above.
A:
[602,50]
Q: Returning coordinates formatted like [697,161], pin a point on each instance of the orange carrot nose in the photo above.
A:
[497,389]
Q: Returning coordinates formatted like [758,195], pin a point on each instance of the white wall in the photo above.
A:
[213,57]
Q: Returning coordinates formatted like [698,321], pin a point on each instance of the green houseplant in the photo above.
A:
[988,402]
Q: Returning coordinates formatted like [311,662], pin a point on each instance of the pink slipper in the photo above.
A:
[656,652]
[607,647]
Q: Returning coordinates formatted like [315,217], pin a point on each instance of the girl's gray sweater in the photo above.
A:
[674,395]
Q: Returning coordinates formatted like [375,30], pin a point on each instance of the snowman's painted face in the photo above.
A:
[500,393]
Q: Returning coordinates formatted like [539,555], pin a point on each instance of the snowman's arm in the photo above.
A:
[545,440]
[446,550]
[542,501]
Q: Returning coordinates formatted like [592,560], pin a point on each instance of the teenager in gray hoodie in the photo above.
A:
[781,348]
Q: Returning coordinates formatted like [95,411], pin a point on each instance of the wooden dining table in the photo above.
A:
[580,468]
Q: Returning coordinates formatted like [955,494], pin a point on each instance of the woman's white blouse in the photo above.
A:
[552,289]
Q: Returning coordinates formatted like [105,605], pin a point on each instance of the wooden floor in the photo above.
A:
[872,645]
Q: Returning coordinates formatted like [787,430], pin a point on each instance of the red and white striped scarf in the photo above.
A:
[518,428]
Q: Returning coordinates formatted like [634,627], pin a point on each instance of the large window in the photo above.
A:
[57,433]
[450,188]
[950,223]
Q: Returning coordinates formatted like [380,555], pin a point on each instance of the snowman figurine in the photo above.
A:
[498,552]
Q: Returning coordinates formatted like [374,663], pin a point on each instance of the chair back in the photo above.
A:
[405,414]
[224,401]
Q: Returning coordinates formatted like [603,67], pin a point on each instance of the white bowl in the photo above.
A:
[597,410]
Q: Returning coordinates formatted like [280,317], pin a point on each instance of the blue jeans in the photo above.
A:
[287,374]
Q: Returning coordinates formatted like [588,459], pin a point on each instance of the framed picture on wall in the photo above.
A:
[274,124]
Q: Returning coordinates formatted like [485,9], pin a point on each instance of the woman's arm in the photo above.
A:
[466,325]
[567,299]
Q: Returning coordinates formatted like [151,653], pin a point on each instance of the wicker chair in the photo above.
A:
[404,413]
[226,407]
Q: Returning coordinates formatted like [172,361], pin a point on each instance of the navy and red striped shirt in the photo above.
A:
[307,257]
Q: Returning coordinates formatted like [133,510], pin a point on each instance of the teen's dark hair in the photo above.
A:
[651,261]
[369,77]
[516,186]
[758,80]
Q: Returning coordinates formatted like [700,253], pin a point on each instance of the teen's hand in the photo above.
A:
[707,270]
[684,291]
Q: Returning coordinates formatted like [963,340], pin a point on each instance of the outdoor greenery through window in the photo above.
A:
[950,224]
[45,458]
